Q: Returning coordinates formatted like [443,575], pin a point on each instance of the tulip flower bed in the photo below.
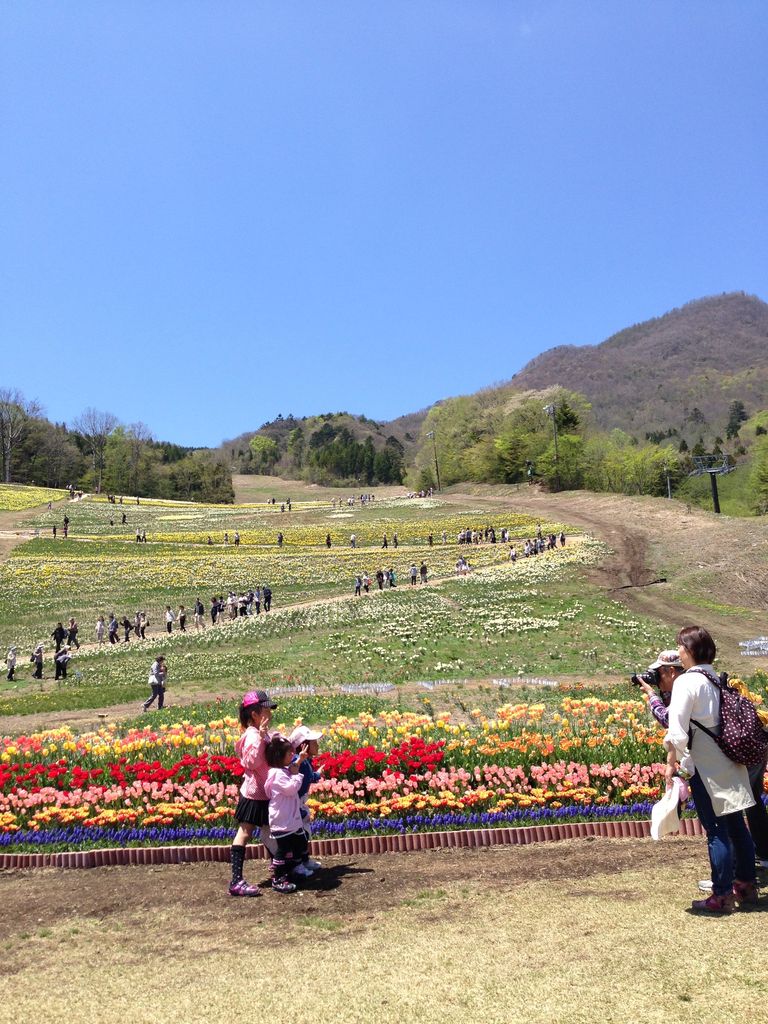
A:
[391,772]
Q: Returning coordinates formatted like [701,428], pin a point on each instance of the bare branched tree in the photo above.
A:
[95,427]
[15,413]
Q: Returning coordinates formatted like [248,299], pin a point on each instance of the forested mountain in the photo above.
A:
[628,415]
[678,372]
[637,407]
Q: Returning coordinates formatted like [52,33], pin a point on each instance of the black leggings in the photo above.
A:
[292,849]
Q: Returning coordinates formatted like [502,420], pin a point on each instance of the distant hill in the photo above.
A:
[328,448]
[681,370]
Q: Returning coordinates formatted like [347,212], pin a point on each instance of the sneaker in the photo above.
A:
[745,893]
[302,871]
[313,865]
[283,885]
[243,888]
[705,885]
[714,905]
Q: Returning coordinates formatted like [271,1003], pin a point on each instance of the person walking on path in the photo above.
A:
[327,540]
[414,573]
[37,660]
[395,541]
[199,615]
[10,663]
[112,629]
[182,618]
[266,593]
[423,572]
[61,660]
[170,618]
[72,632]
[157,677]
[59,635]
[100,630]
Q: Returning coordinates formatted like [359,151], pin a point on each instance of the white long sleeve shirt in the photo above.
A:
[693,697]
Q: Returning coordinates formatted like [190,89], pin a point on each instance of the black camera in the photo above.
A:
[651,676]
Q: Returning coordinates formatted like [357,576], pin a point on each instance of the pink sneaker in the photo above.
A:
[243,888]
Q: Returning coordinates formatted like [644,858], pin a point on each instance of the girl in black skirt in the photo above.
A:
[253,806]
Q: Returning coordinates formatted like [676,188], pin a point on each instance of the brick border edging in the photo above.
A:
[348,845]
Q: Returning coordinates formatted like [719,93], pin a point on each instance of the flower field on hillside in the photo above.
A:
[17,497]
[390,771]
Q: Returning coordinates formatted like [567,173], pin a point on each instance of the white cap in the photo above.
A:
[667,659]
[303,734]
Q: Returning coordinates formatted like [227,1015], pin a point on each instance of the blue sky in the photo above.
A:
[214,212]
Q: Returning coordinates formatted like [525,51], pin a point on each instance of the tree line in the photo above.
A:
[321,450]
[551,438]
[98,453]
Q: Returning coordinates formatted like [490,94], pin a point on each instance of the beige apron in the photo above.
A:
[726,782]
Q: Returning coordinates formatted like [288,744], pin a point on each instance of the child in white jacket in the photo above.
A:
[285,822]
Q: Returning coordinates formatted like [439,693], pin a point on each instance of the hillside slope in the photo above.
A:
[680,370]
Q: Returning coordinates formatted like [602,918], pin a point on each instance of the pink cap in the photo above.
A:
[258,699]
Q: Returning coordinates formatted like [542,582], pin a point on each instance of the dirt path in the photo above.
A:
[716,567]
[13,530]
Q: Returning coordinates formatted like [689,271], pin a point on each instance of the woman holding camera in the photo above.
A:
[720,787]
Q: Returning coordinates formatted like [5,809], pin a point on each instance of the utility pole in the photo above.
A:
[434,449]
[551,410]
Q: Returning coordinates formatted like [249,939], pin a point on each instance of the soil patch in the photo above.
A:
[346,888]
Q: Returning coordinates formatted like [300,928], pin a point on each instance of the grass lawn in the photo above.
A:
[573,933]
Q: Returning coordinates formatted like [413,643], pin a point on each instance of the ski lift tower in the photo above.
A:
[715,465]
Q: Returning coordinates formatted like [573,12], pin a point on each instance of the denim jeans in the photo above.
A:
[731,850]
[158,691]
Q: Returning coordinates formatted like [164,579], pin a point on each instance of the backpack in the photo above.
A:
[742,737]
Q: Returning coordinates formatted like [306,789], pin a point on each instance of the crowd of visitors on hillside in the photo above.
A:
[113,629]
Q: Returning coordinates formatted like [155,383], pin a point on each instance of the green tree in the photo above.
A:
[264,453]
[759,476]
[737,414]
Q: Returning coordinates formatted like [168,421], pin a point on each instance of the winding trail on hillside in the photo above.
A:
[715,568]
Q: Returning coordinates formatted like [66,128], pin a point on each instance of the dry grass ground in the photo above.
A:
[577,932]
